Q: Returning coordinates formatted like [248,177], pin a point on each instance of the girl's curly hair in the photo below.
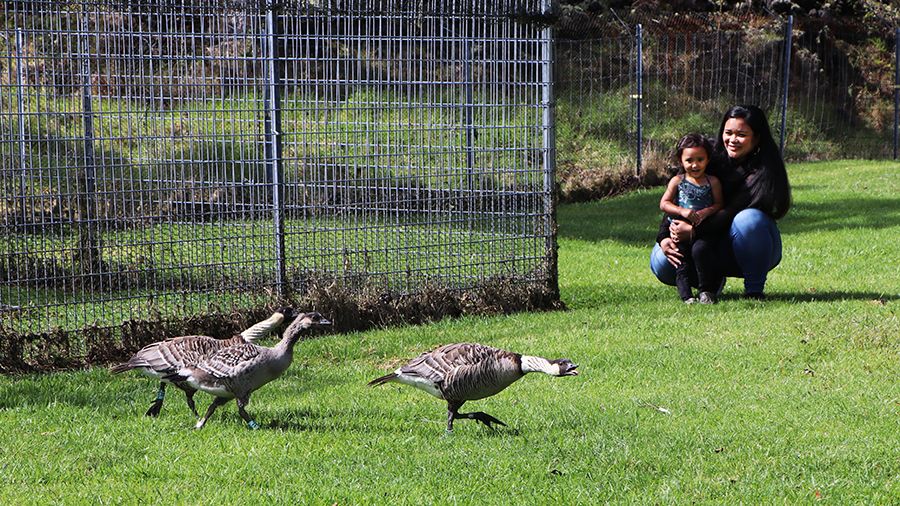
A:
[692,140]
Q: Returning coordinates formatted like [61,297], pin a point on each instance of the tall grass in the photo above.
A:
[792,400]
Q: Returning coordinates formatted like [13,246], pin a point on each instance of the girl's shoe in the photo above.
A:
[707,298]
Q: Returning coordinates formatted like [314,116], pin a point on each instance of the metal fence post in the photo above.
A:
[639,97]
[549,150]
[23,153]
[89,246]
[786,75]
[468,115]
[273,160]
[896,91]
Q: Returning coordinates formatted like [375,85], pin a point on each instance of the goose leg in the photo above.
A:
[217,401]
[452,408]
[156,406]
[189,397]
[243,412]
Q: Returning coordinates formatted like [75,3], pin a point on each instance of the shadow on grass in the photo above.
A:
[633,219]
[875,298]
[630,219]
[859,212]
[352,421]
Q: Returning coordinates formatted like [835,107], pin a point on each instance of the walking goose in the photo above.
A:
[238,371]
[464,372]
[164,358]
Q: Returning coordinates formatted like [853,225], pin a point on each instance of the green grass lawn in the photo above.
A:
[789,400]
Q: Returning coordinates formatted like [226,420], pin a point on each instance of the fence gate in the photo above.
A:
[165,162]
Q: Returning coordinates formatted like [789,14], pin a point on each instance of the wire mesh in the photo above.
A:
[695,66]
[692,78]
[165,159]
[162,159]
[839,109]
[596,103]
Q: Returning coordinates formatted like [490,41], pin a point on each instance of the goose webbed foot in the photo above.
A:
[453,413]
[156,406]
[481,417]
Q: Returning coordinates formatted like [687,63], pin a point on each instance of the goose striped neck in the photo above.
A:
[539,364]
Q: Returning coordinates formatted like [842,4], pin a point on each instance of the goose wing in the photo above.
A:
[165,357]
[190,350]
[436,364]
[461,370]
[477,371]
[231,361]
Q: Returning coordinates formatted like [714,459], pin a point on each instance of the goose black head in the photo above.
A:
[288,312]
[311,319]
[566,367]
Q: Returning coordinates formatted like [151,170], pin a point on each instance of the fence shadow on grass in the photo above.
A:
[633,219]
[841,214]
[874,298]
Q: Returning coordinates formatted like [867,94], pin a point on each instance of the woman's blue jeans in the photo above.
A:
[753,250]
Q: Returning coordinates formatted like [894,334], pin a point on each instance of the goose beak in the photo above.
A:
[566,367]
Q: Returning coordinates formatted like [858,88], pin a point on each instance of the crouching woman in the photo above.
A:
[743,237]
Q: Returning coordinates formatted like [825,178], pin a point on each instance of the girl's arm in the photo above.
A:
[718,200]
[738,199]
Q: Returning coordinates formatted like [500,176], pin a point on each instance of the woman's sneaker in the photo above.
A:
[707,298]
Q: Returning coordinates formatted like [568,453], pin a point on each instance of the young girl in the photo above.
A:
[692,196]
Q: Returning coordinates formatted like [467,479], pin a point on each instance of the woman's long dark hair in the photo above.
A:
[770,190]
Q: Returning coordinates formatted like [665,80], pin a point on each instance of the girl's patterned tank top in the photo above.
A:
[691,196]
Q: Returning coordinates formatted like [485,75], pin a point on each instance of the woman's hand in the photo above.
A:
[680,231]
[702,214]
[689,215]
[670,249]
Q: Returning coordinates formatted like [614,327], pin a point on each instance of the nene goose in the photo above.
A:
[238,371]
[164,358]
[464,372]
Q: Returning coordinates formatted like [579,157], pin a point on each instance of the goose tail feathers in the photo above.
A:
[120,368]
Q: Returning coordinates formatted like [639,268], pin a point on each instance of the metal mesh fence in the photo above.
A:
[838,97]
[596,106]
[164,159]
[690,79]
[161,160]
[835,109]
